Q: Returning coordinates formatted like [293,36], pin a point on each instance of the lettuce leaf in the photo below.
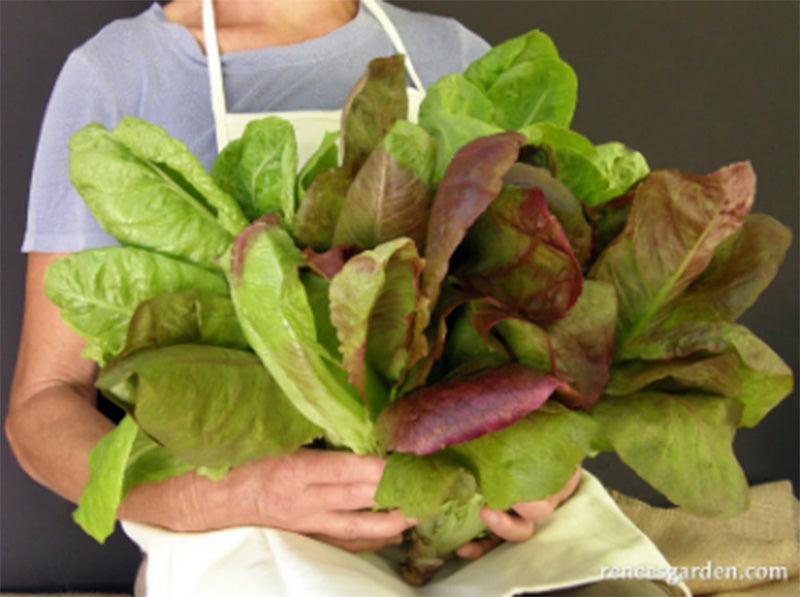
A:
[376,102]
[145,189]
[442,497]
[208,405]
[320,209]
[594,174]
[185,317]
[528,47]
[471,183]
[258,169]
[277,320]
[391,194]
[560,202]
[675,224]
[123,459]
[518,253]
[765,379]
[714,375]
[97,291]
[324,158]
[530,460]
[681,445]
[97,506]
[456,411]
[374,304]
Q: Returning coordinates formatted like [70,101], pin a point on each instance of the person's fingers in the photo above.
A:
[475,549]
[571,485]
[342,467]
[360,545]
[539,511]
[535,512]
[353,496]
[363,525]
[506,526]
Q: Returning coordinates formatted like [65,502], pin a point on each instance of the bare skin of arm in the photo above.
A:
[52,425]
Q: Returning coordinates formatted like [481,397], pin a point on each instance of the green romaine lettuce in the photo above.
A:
[258,169]
[146,190]
[208,405]
[274,311]
[98,291]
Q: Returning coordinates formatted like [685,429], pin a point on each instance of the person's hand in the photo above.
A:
[322,494]
[518,526]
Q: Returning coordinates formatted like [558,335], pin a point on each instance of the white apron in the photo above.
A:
[309,125]
[585,534]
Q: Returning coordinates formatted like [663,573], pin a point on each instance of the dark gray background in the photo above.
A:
[693,85]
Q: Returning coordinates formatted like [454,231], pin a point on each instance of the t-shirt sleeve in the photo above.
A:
[473,46]
[58,220]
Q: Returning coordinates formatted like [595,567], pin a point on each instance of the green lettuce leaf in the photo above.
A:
[441,496]
[593,174]
[152,143]
[765,379]
[530,46]
[208,405]
[150,462]
[185,317]
[140,186]
[320,208]
[374,304]
[324,158]
[318,293]
[715,375]
[258,169]
[455,112]
[123,459]
[97,507]
[681,445]
[545,89]
[675,225]
[391,195]
[274,311]
[98,291]
[530,460]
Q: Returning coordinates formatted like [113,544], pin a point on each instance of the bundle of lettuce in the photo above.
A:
[485,298]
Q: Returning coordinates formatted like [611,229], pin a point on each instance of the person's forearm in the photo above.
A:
[52,433]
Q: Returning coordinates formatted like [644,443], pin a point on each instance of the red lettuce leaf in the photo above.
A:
[561,203]
[441,415]
[472,181]
[518,253]
[576,349]
[676,223]
[376,102]
[391,195]
[329,263]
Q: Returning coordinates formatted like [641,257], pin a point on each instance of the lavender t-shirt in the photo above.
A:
[147,67]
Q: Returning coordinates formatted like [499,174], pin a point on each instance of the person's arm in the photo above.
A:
[52,425]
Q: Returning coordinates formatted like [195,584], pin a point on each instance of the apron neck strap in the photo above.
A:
[374,6]
[214,73]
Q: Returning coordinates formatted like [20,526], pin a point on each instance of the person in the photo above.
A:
[275,55]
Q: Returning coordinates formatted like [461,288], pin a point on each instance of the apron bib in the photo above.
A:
[309,125]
